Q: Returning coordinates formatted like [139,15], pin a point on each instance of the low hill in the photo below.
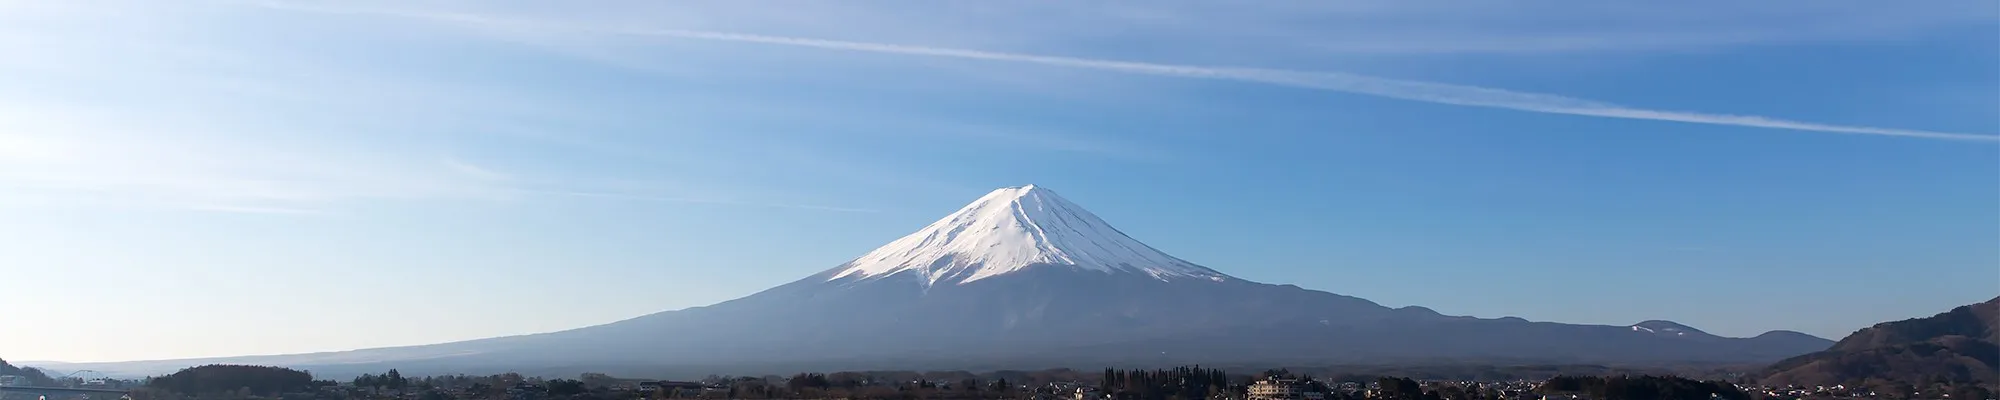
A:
[259,380]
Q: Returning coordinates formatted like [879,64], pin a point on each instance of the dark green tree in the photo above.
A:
[1399,388]
[394,380]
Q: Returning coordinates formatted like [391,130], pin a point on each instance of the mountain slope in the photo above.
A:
[1961,345]
[1023,278]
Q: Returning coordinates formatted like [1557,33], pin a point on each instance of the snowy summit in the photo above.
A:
[1010,230]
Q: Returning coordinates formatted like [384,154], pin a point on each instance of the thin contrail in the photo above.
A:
[1340,82]
[1432,92]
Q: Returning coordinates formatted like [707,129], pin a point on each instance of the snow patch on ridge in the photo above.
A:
[1659,327]
[1011,229]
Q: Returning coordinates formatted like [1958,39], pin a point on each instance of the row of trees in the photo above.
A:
[1178,383]
[1408,389]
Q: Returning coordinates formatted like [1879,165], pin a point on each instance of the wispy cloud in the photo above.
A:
[145,159]
[1431,92]
[697,200]
[1060,141]
[262,131]
[257,210]
[65,156]
[474,171]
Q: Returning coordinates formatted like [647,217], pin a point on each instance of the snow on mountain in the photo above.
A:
[1668,328]
[1012,229]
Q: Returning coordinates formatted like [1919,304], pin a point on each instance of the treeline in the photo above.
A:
[392,380]
[1641,388]
[863,385]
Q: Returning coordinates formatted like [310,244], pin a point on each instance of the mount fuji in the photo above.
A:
[1023,278]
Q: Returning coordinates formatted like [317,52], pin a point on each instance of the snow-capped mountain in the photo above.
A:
[1023,278]
[1010,230]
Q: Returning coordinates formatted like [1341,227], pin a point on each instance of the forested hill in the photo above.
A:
[35,376]
[244,379]
[1961,345]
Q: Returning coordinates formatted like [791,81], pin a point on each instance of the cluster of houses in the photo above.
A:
[1307,389]
[1799,392]
[1304,389]
[681,389]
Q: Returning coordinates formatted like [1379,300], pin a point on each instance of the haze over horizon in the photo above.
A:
[275,177]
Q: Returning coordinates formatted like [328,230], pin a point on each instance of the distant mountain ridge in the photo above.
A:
[1024,279]
[1962,345]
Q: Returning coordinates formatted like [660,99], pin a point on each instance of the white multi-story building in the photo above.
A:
[1285,389]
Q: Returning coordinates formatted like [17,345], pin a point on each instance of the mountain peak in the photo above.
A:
[1011,229]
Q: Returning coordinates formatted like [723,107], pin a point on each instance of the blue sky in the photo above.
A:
[209,178]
